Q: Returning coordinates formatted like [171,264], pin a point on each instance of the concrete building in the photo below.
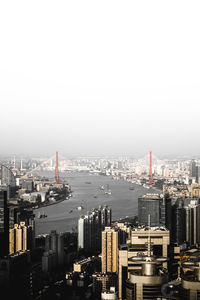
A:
[147,282]
[178,230]
[109,250]
[159,238]
[193,223]
[192,168]
[90,227]
[160,241]
[54,242]
[190,280]
[149,204]
[18,238]
[4,222]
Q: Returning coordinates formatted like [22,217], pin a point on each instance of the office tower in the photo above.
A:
[160,241]
[124,232]
[28,217]
[178,222]
[14,275]
[146,282]
[192,168]
[149,204]
[4,223]
[159,237]
[7,177]
[166,211]
[193,223]
[106,216]
[54,251]
[197,174]
[90,227]
[18,237]
[109,250]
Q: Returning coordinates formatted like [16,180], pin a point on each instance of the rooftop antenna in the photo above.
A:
[149,237]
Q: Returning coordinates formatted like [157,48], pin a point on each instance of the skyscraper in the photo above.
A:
[18,238]
[90,227]
[4,223]
[149,204]
[109,250]
[178,222]
[192,168]
[193,223]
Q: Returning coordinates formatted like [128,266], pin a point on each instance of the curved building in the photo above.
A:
[147,282]
[190,280]
[6,176]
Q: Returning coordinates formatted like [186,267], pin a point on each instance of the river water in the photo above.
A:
[64,216]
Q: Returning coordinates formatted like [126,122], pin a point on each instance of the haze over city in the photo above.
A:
[88,78]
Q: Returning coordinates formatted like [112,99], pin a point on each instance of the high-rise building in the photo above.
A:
[54,251]
[193,223]
[192,168]
[146,283]
[109,250]
[18,237]
[4,223]
[160,241]
[149,204]
[166,211]
[7,177]
[90,227]
[177,232]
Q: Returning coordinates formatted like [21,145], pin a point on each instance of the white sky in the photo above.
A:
[100,77]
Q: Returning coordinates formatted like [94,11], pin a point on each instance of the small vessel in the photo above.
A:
[108,191]
[43,215]
[102,187]
[70,211]
[95,196]
[131,188]
[88,182]
[80,207]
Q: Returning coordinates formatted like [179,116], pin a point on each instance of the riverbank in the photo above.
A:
[64,216]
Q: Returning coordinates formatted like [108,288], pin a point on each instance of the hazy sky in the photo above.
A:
[100,77]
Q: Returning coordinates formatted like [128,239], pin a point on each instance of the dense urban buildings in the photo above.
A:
[90,227]
[151,254]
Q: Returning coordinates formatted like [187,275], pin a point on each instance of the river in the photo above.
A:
[64,216]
